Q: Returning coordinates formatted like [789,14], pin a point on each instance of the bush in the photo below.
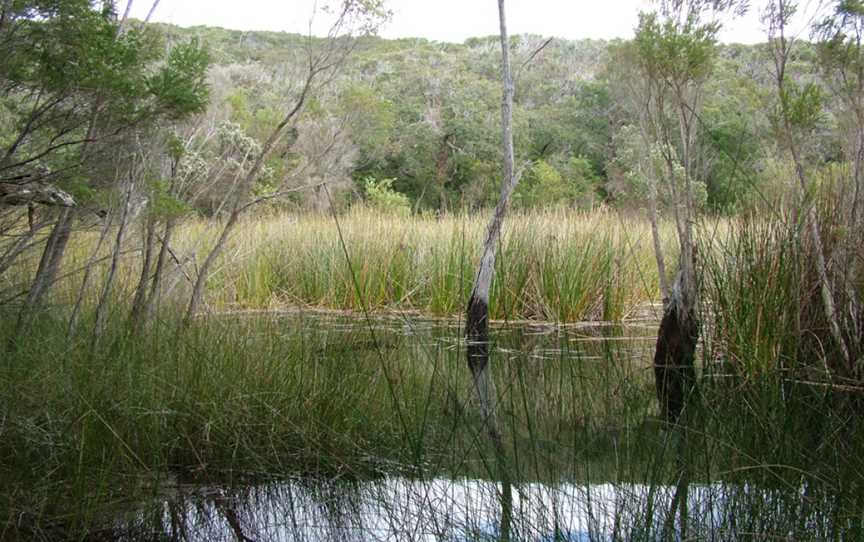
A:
[381,197]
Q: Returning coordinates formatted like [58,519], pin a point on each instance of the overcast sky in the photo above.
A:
[443,20]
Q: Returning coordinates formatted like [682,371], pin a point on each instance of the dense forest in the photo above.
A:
[420,120]
[246,276]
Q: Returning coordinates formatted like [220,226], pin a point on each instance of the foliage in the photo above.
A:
[569,184]
[67,68]
[381,197]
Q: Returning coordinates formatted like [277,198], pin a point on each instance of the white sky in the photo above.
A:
[444,20]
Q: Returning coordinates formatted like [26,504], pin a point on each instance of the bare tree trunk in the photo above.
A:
[88,271]
[49,265]
[158,275]
[658,243]
[477,317]
[144,279]
[678,334]
[674,356]
[825,288]
[150,12]
[102,307]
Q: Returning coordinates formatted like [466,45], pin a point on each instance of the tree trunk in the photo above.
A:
[102,307]
[239,204]
[49,265]
[477,317]
[674,356]
[140,299]
[658,243]
[88,272]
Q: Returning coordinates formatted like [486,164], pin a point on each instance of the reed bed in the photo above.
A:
[89,428]
[552,265]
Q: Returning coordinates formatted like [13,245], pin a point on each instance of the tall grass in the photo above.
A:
[254,398]
[554,265]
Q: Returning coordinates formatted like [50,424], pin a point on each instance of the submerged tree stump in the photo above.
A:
[674,370]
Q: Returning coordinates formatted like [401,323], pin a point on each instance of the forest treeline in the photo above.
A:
[413,125]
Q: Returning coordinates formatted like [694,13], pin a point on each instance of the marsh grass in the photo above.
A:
[240,401]
[554,265]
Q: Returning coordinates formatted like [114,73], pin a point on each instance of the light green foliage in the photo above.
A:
[381,197]
[674,50]
[801,105]
[572,183]
[180,85]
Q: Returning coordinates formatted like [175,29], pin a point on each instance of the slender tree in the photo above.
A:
[675,50]
[797,114]
[477,317]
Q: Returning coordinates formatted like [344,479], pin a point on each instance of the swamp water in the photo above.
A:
[586,457]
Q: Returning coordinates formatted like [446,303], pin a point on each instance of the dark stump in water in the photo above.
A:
[674,371]
[477,333]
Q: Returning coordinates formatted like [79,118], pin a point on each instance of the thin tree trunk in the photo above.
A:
[824,280]
[150,12]
[102,307]
[88,271]
[156,286]
[477,317]
[658,243]
[674,355]
[781,49]
[49,265]
[144,279]
[242,193]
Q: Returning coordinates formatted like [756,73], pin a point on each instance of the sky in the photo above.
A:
[446,20]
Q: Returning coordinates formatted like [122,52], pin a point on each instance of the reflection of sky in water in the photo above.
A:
[400,509]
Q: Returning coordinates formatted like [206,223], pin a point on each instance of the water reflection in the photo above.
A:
[454,510]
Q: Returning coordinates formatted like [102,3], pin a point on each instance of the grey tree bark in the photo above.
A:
[477,317]
[88,272]
[105,297]
[49,265]
[778,15]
